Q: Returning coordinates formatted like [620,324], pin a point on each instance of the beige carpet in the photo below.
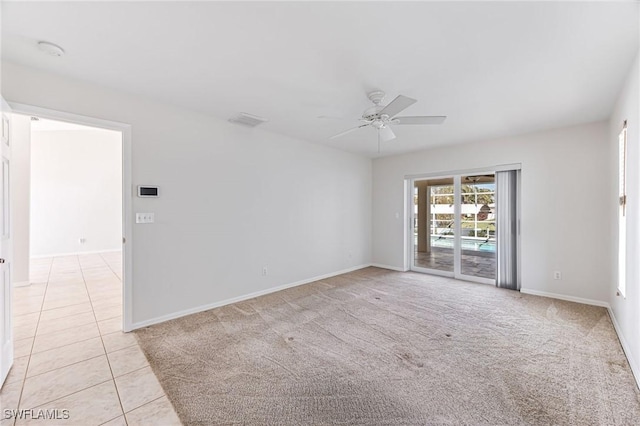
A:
[377,347]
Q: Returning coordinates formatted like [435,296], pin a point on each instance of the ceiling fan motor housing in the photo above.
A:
[372,113]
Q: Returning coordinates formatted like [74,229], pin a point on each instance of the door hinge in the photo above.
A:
[124,240]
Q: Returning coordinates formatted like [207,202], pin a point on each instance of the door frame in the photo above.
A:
[127,207]
[411,230]
[6,245]
[409,236]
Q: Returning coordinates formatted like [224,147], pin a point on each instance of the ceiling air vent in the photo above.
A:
[247,120]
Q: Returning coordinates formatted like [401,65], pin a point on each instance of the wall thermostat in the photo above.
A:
[148,191]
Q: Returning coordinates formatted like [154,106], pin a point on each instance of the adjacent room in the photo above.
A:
[320,213]
[67,221]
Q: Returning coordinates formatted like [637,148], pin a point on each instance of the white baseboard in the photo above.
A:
[75,253]
[393,268]
[565,297]
[635,369]
[21,283]
[202,308]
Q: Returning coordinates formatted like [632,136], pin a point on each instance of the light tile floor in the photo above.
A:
[70,352]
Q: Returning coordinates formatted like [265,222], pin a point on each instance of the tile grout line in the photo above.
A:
[68,365]
[62,307]
[113,378]
[109,266]
[62,346]
[164,395]
[24,379]
[133,371]
[73,393]
[64,329]
[69,315]
[110,420]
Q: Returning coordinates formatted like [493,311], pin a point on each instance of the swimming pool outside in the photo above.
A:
[467,244]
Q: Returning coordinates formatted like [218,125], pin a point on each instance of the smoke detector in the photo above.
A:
[247,120]
[50,48]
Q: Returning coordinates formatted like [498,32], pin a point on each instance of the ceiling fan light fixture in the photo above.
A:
[50,48]
[382,117]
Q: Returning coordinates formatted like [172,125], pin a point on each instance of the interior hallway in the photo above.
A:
[70,352]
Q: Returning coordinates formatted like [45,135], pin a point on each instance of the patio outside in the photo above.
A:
[478,245]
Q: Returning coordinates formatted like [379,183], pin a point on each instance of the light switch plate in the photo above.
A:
[145,217]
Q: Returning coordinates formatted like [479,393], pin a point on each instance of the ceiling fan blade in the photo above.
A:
[348,131]
[400,103]
[386,134]
[425,119]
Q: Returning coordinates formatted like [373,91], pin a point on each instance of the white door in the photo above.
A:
[6,337]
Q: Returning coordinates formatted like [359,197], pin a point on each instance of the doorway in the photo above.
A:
[453,226]
[75,228]
[98,246]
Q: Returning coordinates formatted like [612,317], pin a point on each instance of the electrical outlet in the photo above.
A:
[557,275]
[265,271]
[82,240]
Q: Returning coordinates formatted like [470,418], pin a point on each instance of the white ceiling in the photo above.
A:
[496,69]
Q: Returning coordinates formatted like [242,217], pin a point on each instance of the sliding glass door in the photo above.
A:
[433,220]
[454,226]
[478,226]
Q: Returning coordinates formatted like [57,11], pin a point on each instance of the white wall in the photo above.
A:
[564,219]
[627,310]
[233,199]
[20,198]
[76,191]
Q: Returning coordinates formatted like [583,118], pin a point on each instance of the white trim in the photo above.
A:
[66,116]
[635,369]
[518,227]
[393,268]
[565,297]
[449,173]
[22,284]
[479,280]
[127,230]
[127,201]
[438,272]
[407,225]
[202,308]
[75,253]
[409,257]
[457,226]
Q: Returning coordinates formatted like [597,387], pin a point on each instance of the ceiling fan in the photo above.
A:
[382,117]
